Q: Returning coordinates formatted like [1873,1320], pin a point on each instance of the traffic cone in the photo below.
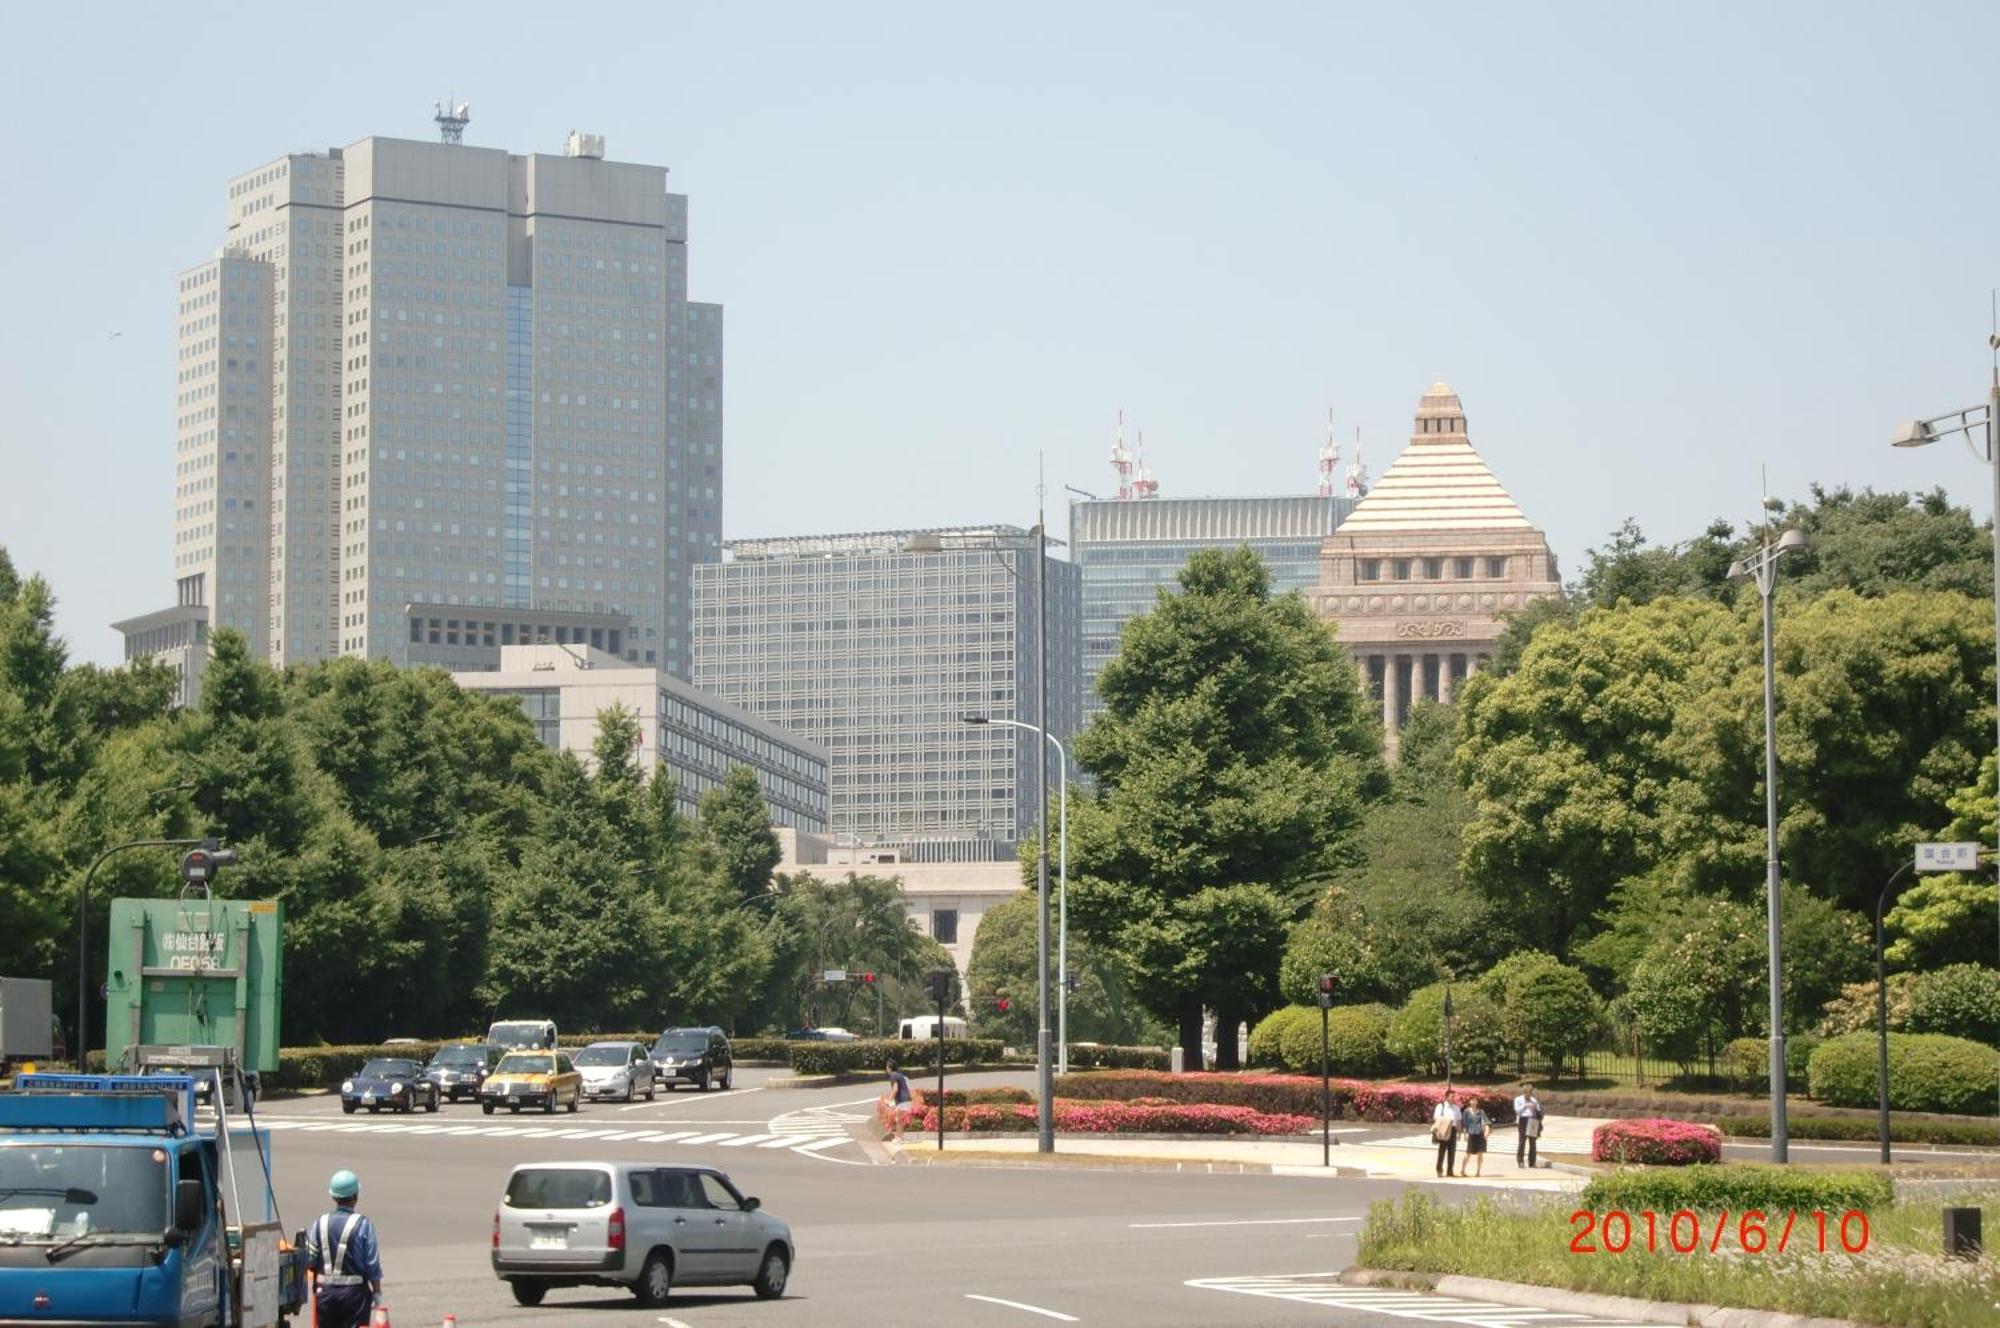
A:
[450,1321]
[381,1319]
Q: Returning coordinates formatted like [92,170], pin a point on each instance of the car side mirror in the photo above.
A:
[190,1206]
[751,1204]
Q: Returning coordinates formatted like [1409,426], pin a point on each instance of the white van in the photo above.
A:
[515,1034]
[926,1026]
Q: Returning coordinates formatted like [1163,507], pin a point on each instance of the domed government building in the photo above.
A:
[1418,578]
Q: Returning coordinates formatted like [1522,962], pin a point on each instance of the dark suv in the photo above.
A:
[459,1070]
[698,1056]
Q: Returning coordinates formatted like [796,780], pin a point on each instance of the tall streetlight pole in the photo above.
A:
[1062,882]
[83,935]
[1763,569]
[1986,419]
[1045,1133]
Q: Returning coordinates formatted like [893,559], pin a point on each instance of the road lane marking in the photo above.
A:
[1032,1309]
[657,1137]
[667,1097]
[817,1144]
[1326,1289]
[1243,1222]
[744,1140]
[710,1138]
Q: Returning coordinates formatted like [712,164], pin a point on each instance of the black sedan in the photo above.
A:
[390,1082]
[461,1069]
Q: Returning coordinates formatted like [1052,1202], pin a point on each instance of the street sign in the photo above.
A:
[1947,857]
[834,975]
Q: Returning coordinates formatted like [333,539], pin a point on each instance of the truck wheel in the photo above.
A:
[527,1291]
[486,1107]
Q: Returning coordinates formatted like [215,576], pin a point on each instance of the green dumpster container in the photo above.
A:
[195,972]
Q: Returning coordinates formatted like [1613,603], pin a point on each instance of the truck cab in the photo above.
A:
[115,1205]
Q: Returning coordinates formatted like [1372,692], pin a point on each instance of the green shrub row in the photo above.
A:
[761,1049]
[1927,1072]
[1747,1060]
[873,1053]
[1713,1189]
[1985,1134]
[1357,1039]
[1091,1057]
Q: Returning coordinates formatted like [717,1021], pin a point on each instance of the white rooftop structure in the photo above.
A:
[1439,483]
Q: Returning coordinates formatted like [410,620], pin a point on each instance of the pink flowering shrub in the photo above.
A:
[1662,1143]
[1296,1094]
[1118,1118]
[1413,1103]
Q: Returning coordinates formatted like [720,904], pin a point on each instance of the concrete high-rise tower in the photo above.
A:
[435,399]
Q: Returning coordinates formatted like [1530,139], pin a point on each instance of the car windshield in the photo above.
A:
[518,1064]
[57,1192]
[680,1044]
[608,1053]
[387,1068]
[559,1187]
[456,1056]
[529,1033]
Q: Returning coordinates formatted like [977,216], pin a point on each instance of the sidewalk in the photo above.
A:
[1411,1157]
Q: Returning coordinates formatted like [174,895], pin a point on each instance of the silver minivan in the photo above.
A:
[633,1224]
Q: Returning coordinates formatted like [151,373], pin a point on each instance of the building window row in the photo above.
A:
[1431,569]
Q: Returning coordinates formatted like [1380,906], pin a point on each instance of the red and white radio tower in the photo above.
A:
[1329,459]
[1145,486]
[1122,461]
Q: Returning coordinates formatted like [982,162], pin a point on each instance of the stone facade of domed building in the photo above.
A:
[1418,579]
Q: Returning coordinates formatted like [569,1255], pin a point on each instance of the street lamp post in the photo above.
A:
[1062,882]
[83,934]
[1986,419]
[1762,568]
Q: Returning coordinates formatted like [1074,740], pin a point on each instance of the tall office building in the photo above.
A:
[436,399]
[876,647]
[1129,549]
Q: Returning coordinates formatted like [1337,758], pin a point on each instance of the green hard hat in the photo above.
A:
[344,1185]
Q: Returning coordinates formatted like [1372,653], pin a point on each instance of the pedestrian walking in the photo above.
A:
[1445,1121]
[899,1085]
[343,1259]
[1527,1125]
[1475,1123]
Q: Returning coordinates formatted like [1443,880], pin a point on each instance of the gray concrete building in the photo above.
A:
[694,737]
[432,397]
[876,646]
[1127,550]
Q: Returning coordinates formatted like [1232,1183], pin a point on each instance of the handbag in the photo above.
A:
[1441,1131]
[1534,1127]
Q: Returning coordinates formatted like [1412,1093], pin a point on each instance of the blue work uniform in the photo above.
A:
[341,1250]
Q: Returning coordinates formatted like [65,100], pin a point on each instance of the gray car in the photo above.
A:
[632,1224]
[616,1069]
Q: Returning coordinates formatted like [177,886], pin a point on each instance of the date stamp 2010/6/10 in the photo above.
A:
[1751,1231]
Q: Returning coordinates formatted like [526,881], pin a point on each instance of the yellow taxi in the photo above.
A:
[545,1079]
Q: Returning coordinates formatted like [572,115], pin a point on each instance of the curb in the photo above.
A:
[1591,1303]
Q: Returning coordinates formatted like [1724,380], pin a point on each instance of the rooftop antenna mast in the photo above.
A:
[1145,486]
[452,116]
[1121,461]
[1329,459]
[1357,471]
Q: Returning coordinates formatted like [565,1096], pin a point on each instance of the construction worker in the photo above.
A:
[343,1258]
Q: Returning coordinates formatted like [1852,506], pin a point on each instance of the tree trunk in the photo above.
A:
[1226,1020]
[1191,1032]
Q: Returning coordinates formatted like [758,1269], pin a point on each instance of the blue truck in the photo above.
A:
[141,1199]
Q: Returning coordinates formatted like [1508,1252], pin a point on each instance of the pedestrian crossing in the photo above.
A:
[1327,1289]
[796,1139]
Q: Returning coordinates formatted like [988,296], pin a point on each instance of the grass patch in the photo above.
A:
[1900,1278]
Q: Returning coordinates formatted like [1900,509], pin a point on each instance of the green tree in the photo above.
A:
[1692,993]
[1232,760]
[1546,1008]
[1418,1033]
[859,924]
[1101,1009]
[1942,920]
[739,823]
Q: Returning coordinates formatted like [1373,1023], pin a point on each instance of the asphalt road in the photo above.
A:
[878,1245]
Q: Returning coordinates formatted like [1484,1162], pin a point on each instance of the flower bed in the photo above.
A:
[1096,1117]
[1297,1094]
[1656,1142]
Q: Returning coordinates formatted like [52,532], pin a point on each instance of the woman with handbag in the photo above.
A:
[1445,1121]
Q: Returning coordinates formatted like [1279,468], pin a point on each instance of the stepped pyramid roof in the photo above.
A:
[1439,483]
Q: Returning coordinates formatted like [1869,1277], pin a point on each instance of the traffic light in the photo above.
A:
[1325,990]
[1072,980]
[938,983]
[199,865]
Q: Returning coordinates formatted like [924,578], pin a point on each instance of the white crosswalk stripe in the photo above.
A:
[826,1135]
[1327,1289]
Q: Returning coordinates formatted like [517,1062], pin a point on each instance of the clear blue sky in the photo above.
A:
[1653,247]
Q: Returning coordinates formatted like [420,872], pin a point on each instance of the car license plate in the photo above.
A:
[367,1098]
[550,1240]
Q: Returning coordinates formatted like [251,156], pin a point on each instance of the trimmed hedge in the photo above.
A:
[1267,1038]
[874,1053]
[1357,1039]
[1984,1134]
[1116,1118]
[1118,1058]
[761,1049]
[1736,1187]
[1927,1072]
[1657,1142]
[1282,1093]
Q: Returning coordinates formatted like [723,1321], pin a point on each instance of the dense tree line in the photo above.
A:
[437,864]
